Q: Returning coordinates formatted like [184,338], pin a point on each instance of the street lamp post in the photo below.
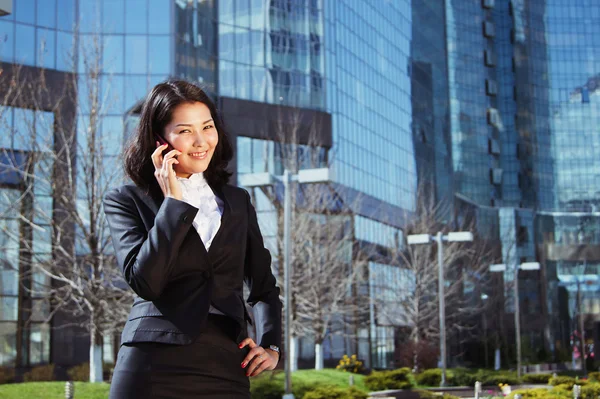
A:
[439,238]
[319,175]
[523,266]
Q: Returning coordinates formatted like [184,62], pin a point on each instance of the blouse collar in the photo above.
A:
[195,180]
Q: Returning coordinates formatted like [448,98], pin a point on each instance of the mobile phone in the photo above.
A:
[162,141]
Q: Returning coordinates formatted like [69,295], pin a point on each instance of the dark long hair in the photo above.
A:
[157,113]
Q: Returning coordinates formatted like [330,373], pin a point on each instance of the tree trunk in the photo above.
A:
[95,357]
[294,353]
[318,356]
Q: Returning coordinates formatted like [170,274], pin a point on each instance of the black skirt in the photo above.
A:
[208,368]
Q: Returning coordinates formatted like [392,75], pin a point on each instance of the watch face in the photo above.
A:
[274,348]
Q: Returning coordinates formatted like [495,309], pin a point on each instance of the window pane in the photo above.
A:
[112,87]
[136,13]
[9,276]
[46,44]
[24,11]
[25,36]
[135,90]
[9,308]
[226,12]
[39,343]
[89,16]
[114,16]
[160,60]
[160,17]
[66,16]
[242,46]
[113,54]
[64,51]
[8,343]
[242,13]
[112,135]
[136,57]
[23,132]
[226,79]
[46,13]
[244,147]
[7,37]
[40,310]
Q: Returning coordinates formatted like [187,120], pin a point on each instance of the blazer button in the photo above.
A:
[185,219]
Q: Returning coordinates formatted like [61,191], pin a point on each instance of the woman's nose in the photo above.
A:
[199,139]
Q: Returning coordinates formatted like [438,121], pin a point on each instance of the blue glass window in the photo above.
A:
[66,16]
[136,16]
[112,134]
[226,79]
[64,49]
[25,36]
[89,16]
[226,12]
[46,44]
[46,13]
[114,16]
[136,54]
[25,11]
[7,38]
[159,16]
[160,56]
[242,13]
[113,57]
[112,85]
[135,90]
[242,46]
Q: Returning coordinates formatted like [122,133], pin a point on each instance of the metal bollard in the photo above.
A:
[351,379]
[69,390]
[576,391]
[477,389]
[518,396]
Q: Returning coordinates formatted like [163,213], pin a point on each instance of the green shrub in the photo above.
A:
[80,372]
[433,377]
[395,379]
[464,377]
[335,393]
[351,364]
[7,375]
[489,378]
[40,373]
[537,378]
[266,388]
[594,376]
[590,391]
[537,393]
[570,381]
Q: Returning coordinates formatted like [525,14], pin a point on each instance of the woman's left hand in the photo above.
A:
[258,359]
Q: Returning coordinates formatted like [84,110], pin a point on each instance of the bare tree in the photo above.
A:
[324,265]
[408,291]
[68,162]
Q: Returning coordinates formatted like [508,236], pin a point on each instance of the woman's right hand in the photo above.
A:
[164,172]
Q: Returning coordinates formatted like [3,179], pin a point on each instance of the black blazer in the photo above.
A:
[165,262]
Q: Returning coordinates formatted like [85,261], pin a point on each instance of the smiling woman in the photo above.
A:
[186,242]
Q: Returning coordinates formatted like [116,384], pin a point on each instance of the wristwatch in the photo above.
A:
[274,348]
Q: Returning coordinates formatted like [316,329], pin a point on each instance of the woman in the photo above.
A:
[186,241]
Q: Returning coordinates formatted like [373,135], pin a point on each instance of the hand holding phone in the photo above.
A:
[164,161]
[162,141]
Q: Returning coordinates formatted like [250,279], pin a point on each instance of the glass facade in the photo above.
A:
[471,60]
[272,51]
[369,98]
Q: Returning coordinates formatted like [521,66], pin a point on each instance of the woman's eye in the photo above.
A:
[185,131]
[208,127]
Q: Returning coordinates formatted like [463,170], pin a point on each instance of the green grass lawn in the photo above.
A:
[327,376]
[84,390]
[52,390]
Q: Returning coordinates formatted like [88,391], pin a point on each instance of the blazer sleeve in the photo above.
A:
[264,293]
[147,257]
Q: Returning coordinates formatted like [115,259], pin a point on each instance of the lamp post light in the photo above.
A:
[523,266]
[319,175]
[439,238]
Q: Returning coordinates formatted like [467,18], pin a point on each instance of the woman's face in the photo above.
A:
[192,131]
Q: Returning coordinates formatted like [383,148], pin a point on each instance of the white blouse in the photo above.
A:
[196,192]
